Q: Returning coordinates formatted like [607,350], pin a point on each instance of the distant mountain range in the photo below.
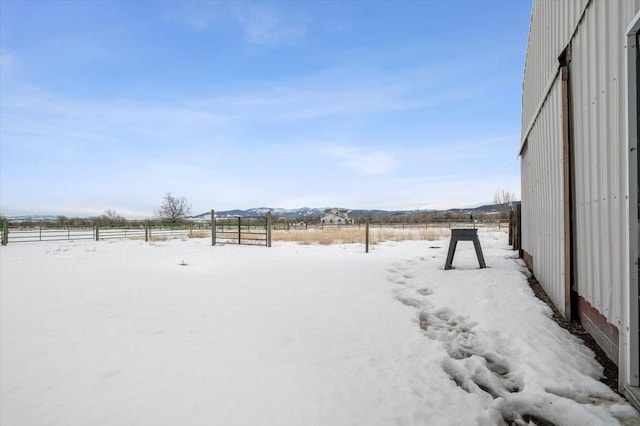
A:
[319,212]
[301,212]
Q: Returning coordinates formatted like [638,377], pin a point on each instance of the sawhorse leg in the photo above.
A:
[452,250]
[476,245]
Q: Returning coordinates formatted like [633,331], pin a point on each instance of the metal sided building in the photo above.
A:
[579,165]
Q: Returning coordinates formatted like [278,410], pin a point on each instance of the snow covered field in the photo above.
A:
[182,333]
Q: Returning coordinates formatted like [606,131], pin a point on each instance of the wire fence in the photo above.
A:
[227,230]
[16,232]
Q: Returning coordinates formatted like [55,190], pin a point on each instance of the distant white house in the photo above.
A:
[335,217]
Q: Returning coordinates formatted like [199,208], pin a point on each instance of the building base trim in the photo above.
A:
[604,333]
[528,259]
[633,395]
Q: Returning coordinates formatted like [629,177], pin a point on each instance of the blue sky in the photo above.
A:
[373,105]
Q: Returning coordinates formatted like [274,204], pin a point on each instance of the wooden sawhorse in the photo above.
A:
[464,234]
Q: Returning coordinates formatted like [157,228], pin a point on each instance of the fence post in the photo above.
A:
[148,224]
[68,231]
[97,232]
[239,230]
[366,238]
[269,229]
[213,228]
[5,232]
[511,226]
[518,230]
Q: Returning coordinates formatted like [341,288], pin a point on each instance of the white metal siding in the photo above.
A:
[600,155]
[552,23]
[542,197]
[599,126]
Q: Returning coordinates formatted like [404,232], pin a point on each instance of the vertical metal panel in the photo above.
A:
[596,31]
[629,337]
[542,197]
[601,170]
[552,24]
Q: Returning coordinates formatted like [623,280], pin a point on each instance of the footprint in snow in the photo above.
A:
[424,291]
[396,279]
[407,300]
[471,367]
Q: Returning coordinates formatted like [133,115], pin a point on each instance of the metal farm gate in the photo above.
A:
[254,230]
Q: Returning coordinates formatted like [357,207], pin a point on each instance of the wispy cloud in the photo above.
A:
[36,117]
[261,23]
[264,25]
[310,100]
[8,63]
[368,162]
[197,15]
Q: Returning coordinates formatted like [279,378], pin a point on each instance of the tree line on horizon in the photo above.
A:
[174,209]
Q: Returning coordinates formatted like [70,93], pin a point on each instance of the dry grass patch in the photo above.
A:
[390,234]
[199,234]
[321,236]
[346,235]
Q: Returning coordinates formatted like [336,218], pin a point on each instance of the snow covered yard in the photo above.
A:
[182,333]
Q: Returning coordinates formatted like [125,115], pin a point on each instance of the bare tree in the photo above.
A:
[112,215]
[109,217]
[502,200]
[173,208]
[503,197]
